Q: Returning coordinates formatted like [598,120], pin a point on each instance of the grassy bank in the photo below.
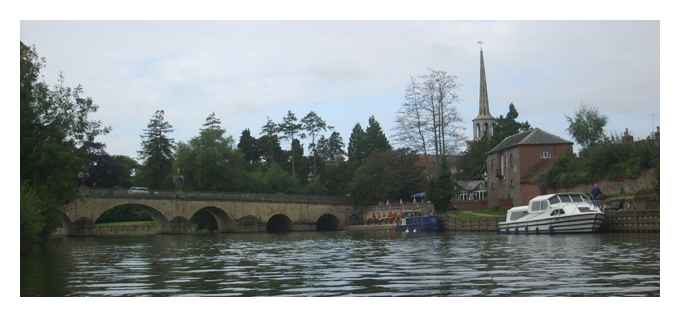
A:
[478,214]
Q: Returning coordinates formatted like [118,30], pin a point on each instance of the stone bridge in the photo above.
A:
[229,212]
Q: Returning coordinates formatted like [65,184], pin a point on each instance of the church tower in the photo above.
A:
[483,124]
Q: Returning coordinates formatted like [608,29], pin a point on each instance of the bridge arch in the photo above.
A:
[213,219]
[134,210]
[143,209]
[279,223]
[327,222]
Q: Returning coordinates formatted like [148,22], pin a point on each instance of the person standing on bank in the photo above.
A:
[596,194]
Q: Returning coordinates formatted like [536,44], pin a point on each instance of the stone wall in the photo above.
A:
[632,221]
[648,181]
[480,224]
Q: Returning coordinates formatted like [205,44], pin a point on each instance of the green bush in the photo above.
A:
[32,218]
[610,159]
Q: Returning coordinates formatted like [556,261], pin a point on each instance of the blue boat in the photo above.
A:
[415,222]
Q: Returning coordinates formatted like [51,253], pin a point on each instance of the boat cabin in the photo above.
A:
[558,204]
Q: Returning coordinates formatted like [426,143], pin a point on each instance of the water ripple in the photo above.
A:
[348,264]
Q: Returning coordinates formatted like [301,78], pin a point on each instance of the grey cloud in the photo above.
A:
[246,69]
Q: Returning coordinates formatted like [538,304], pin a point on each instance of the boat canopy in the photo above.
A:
[543,201]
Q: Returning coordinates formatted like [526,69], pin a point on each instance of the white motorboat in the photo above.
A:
[554,213]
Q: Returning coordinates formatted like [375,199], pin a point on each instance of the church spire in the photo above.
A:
[483,124]
[483,95]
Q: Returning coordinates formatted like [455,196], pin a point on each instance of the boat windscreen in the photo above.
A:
[554,200]
[564,198]
[576,198]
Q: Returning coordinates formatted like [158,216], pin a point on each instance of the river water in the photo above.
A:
[346,264]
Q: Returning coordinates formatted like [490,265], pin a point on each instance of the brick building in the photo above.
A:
[514,165]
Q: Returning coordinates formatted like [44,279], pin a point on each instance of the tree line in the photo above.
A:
[602,156]
[61,151]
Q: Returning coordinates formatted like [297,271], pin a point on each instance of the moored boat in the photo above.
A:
[414,222]
[554,213]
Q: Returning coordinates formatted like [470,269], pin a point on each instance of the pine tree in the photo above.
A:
[269,128]
[248,146]
[290,128]
[314,125]
[376,141]
[157,152]
[332,147]
[356,148]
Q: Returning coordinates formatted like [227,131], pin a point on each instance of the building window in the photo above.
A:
[546,155]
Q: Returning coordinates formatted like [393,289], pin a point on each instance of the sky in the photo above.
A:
[246,71]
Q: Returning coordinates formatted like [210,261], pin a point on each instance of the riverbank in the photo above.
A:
[644,220]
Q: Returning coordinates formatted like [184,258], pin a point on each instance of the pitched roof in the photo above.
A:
[533,136]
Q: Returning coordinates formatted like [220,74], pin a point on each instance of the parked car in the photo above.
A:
[138,190]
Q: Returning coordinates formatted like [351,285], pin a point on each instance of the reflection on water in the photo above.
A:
[343,263]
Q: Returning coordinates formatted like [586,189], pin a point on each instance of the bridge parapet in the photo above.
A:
[218,196]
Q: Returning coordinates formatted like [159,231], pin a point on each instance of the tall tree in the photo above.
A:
[428,120]
[331,148]
[356,148]
[376,141]
[412,129]
[508,125]
[291,129]
[269,148]
[587,126]
[248,147]
[268,143]
[157,152]
[55,125]
[314,125]
[269,128]
[208,161]
[297,158]
[438,94]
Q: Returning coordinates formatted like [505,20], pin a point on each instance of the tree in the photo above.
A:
[430,112]
[587,126]
[248,147]
[314,125]
[157,152]
[269,148]
[124,168]
[441,189]
[412,129]
[268,145]
[375,140]
[473,161]
[269,128]
[208,161]
[290,128]
[297,157]
[331,148]
[508,125]
[356,148]
[55,125]
[386,175]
